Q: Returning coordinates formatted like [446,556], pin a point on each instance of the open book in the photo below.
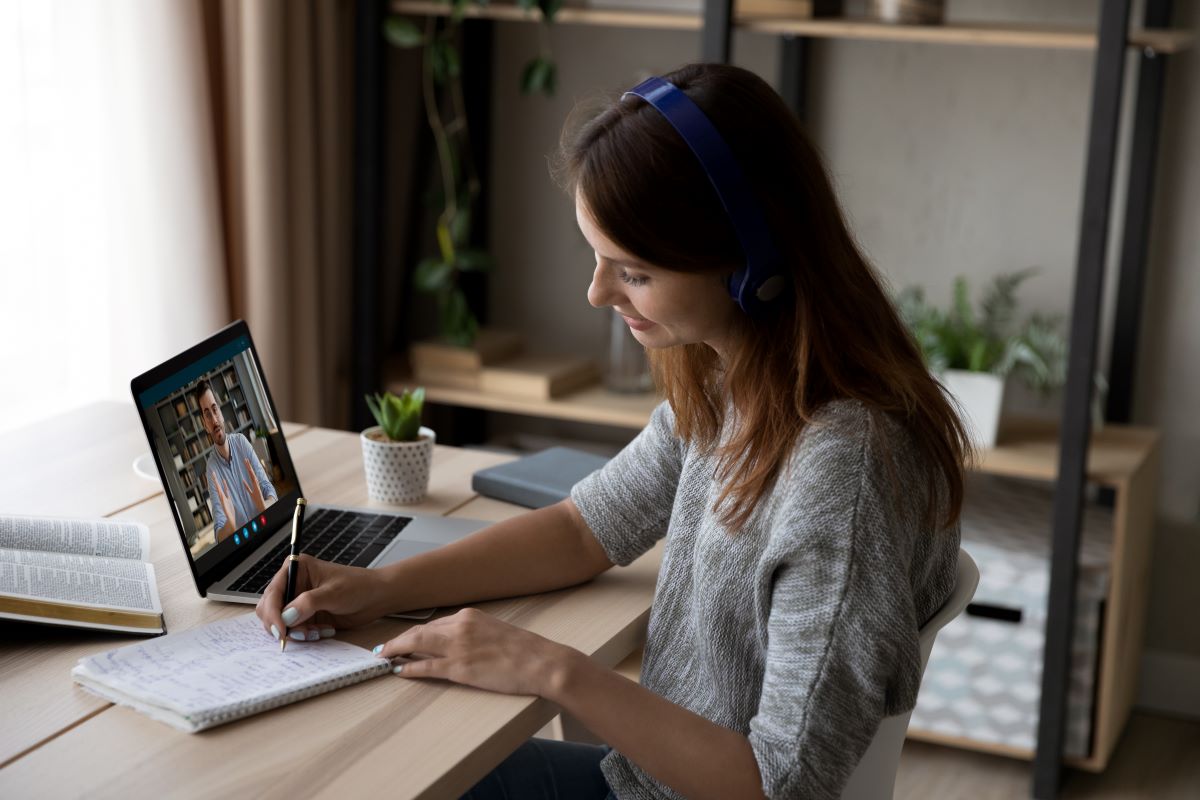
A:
[79,572]
[221,672]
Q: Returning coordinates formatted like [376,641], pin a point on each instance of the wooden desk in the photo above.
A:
[389,735]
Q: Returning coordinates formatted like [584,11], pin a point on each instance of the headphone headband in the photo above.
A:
[760,281]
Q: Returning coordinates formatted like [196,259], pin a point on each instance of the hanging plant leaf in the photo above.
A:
[549,8]
[402,33]
[432,275]
[470,260]
[458,187]
[538,76]
[460,227]
[438,60]
[458,323]
[453,62]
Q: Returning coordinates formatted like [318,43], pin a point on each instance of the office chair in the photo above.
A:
[875,776]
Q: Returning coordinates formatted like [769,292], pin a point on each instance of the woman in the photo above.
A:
[806,471]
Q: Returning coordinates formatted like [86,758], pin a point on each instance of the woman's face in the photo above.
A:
[661,307]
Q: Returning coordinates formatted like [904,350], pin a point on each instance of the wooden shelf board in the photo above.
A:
[567,16]
[1029,449]
[1006,750]
[978,34]
[594,404]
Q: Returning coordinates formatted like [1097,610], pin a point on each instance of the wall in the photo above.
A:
[949,160]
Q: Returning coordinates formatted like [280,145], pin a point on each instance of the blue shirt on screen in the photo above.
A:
[232,474]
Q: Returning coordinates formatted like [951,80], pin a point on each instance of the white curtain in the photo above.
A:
[111,250]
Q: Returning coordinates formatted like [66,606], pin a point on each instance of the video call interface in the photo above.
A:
[219,443]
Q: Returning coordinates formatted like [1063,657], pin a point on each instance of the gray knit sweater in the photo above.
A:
[800,629]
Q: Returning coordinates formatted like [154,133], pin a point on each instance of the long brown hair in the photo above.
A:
[834,335]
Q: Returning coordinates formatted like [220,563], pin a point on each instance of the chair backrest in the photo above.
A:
[875,776]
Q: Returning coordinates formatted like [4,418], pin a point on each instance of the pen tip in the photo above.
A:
[282,643]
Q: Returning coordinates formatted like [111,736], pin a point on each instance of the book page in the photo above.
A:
[116,583]
[225,664]
[110,538]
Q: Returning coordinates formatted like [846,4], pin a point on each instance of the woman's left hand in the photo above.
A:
[479,650]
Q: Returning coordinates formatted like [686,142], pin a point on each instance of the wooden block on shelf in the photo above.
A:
[787,9]
[490,347]
[469,379]
[539,377]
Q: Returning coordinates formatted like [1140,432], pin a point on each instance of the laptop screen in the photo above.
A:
[219,449]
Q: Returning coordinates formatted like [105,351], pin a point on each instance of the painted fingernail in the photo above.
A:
[297,635]
[275,632]
[290,616]
[377,649]
[314,636]
[327,632]
[396,670]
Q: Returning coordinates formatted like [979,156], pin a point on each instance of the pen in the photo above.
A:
[293,562]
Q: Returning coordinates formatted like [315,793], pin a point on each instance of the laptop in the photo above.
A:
[228,476]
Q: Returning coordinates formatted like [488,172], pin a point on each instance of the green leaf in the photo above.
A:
[402,33]
[460,227]
[549,8]
[999,302]
[432,275]
[399,416]
[977,355]
[470,260]
[438,60]
[376,411]
[459,325]
[390,420]
[453,62]
[538,76]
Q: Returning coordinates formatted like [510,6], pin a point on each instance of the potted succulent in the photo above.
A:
[398,452]
[973,352]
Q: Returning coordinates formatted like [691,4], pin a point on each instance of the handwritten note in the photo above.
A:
[230,662]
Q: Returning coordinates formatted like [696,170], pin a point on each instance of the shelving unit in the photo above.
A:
[1121,459]
[975,34]
[1124,460]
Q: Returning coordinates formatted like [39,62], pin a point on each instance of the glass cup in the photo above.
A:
[628,371]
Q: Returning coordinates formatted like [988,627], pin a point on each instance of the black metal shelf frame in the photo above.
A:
[1107,91]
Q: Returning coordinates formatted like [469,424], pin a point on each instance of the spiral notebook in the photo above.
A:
[217,673]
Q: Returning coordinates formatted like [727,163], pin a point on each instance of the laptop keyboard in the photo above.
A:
[343,537]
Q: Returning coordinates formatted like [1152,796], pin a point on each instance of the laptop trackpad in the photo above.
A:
[403,548]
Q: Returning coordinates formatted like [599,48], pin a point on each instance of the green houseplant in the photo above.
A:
[459,186]
[988,339]
[974,350]
[398,452]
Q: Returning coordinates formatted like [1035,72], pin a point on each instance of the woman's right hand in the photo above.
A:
[328,596]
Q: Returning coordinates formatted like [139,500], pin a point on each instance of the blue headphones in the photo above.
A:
[761,280]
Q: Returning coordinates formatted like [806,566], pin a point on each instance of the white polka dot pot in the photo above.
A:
[397,472]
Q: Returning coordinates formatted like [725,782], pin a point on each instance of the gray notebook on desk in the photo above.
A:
[539,480]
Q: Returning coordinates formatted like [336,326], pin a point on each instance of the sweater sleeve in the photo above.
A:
[627,502]
[842,650]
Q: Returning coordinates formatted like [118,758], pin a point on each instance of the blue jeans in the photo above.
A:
[546,769]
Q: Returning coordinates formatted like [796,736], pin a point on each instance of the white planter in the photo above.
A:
[397,472]
[979,396]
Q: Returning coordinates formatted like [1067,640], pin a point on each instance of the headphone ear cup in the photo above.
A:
[770,288]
